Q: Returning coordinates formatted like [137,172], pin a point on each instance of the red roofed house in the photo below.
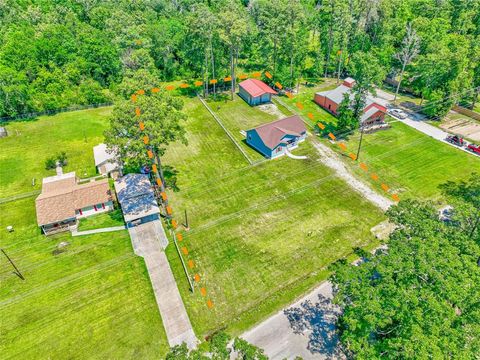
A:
[373,112]
[255,92]
[276,138]
[63,200]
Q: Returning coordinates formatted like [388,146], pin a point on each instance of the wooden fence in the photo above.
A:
[467,112]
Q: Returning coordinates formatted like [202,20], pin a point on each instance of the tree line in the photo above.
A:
[57,54]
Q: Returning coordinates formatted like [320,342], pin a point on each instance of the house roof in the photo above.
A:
[103,156]
[256,87]
[273,133]
[62,195]
[136,196]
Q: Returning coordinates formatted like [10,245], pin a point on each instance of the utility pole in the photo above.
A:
[16,272]
[360,143]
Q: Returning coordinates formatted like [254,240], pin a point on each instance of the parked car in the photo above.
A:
[398,113]
[474,148]
[456,140]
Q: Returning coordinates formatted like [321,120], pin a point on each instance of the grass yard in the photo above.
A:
[93,300]
[406,160]
[23,153]
[109,219]
[260,235]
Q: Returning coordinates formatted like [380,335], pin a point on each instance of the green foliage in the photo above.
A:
[50,163]
[248,351]
[60,159]
[345,119]
[416,300]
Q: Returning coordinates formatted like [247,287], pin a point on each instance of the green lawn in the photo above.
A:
[110,219]
[94,300]
[408,161]
[23,153]
[260,235]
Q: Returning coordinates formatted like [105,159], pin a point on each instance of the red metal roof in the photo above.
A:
[256,87]
[273,133]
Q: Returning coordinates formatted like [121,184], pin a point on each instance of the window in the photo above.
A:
[279,149]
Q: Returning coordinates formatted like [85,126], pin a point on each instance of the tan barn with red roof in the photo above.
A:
[255,92]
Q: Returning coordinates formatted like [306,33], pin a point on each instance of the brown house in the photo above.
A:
[373,112]
[63,201]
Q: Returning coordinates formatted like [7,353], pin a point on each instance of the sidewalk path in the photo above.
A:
[97,231]
[149,241]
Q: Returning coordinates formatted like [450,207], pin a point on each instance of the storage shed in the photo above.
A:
[255,92]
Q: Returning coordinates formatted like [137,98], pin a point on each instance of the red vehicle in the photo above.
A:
[456,140]
[474,148]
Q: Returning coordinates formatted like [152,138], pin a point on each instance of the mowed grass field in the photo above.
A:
[92,300]
[30,143]
[260,235]
[411,163]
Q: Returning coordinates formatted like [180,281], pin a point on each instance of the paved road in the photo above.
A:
[149,241]
[304,329]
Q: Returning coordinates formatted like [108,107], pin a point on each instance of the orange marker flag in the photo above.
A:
[278,85]
[289,95]
[299,105]
[179,237]
[374,177]
[342,146]
[353,156]
[134,97]
[198,83]
[169,210]
[197,278]
[363,166]
[268,75]
[203,291]
[213,81]
[150,154]
[191,264]
[163,195]
[332,136]
[210,304]
[185,250]
[395,197]
[242,76]
[154,168]
[142,126]
[174,224]
[385,187]
[256,74]
[228,78]
[155,90]
[169,87]
[141,92]
[321,126]
[146,140]
[184,86]
[310,116]
[137,111]
[159,182]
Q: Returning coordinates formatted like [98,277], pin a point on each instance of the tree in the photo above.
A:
[162,116]
[409,50]
[345,118]
[416,299]
[247,351]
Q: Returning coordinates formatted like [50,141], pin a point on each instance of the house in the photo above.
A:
[3,132]
[106,162]
[255,92]
[373,112]
[64,200]
[137,199]
[276,138]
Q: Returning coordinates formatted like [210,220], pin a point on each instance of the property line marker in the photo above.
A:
[321,126]
[154,168]
[209,304]
[134,97]
[196,278]
[242,76]
[256,74]
[141,125]
[228,78]
[198,83]
[169,87]
[375,177]
[342,146]
[150,154]
[169,210]
[185,250]
[289,95]
[278,85]
[184,86]
[395,197]
[191,264]
[332,136]
[146,140]
[353,156]
[155,90]
[203,291]
[163,195]
[141,92]
[174,223]
[213,81]
[363,166]
[384,187]
[310,116]
[268,75]
[137,112]
[299,105]
[179,237]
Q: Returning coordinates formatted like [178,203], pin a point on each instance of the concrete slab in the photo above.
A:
[149,241]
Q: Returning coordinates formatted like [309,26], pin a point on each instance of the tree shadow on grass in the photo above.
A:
[318,321]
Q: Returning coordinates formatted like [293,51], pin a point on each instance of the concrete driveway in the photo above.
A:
[305,329]
[149,241]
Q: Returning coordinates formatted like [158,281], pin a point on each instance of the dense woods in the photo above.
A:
[55,54]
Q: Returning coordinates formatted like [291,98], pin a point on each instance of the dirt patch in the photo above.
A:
[383,230]
[271,109]
[457,124]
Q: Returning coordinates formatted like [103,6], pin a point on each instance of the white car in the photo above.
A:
[398,113]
